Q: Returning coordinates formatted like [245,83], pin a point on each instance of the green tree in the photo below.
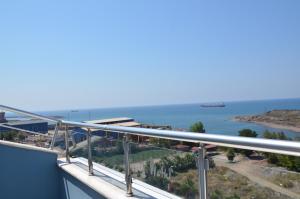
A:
[273,135]
[21,137]
[9,136]
[230,154]
[289,162]
[197,127]
[247,133]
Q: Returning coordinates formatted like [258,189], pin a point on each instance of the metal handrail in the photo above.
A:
[257,144]
[26,131]
[26,113]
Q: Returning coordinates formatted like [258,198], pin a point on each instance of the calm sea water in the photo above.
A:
[216,120]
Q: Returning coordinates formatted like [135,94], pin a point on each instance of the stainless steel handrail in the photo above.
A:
[26,131]
[258,144]
[26,113]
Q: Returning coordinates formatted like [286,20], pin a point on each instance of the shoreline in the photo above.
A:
[271,125]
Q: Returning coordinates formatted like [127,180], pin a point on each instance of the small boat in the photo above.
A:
[219,105]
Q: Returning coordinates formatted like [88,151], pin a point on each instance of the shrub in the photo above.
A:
[188,189]
[290,162]
[230,154]
[158,181]
[216,194]
[247,133]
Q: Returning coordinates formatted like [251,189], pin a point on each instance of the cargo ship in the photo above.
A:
[211,105]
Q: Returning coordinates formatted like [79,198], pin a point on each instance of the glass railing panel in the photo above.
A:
[233,173]
[77,142]
[160,162]
[107,149]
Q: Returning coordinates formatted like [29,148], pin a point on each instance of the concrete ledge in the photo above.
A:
[27,147]
[110,183]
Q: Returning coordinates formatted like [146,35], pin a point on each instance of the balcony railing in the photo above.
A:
[257,144]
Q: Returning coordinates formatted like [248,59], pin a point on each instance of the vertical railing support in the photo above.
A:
[67,145]
[54,135]
[90,162]
[128,177]
[203,166]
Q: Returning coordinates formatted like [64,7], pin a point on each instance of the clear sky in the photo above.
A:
[85,54]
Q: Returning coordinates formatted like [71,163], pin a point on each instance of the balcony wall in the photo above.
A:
[74,189]
[28,172]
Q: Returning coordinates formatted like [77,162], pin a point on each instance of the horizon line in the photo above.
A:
[157,105]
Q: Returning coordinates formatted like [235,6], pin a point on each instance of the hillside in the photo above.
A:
[283,119]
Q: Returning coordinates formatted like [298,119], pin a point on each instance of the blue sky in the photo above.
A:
[84,54]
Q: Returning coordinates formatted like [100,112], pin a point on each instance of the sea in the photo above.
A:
[217,120]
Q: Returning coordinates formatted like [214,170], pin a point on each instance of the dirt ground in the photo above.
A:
[255,170]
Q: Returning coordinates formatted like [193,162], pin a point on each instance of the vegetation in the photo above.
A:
[185,187]
[113,157]
[21,137]
[12,135]
[289,162]
[163,171]
[198,127]
[158,181]
[176,163]
[223,183]
[287,180]
[158,174]
[219,195]
[230,154]
[246,133]
[164,143]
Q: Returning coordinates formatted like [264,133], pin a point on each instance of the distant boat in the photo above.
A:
[220,105]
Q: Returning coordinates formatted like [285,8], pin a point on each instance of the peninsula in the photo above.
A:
[281,119]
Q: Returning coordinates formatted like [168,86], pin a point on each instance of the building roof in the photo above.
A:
[24,122]
[110,120]
[182,146]
[127,124]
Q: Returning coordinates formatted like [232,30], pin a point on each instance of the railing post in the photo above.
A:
[67,145]
[54,135]
[90,162]
[202,164]
[128,177]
